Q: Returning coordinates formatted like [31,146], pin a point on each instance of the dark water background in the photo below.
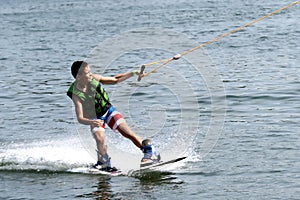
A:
[257,155]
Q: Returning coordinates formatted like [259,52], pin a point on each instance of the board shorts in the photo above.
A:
[112,118]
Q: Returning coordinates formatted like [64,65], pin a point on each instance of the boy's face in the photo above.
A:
[84,74]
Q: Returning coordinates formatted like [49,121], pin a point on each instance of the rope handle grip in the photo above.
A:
[141,72]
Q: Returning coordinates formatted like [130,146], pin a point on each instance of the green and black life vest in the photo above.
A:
[95,101]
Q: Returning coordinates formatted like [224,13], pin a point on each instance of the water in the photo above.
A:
[257,153]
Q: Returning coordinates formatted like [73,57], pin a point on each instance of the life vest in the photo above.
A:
[95,101]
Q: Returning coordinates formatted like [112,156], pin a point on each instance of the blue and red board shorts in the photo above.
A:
[112,118]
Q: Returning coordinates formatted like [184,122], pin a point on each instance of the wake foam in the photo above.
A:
[56,155]
[63,154]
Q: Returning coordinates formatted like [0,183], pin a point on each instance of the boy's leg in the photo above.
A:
[150,155]
[116,122]
[103,158]
[98,134]
[124,129]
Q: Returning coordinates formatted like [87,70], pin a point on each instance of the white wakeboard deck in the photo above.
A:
[153,167]
[159,164]
[89,170]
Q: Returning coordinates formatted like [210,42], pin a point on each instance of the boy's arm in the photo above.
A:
[79,114]
[115,79]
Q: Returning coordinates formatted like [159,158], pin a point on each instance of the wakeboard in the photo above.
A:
[162,163]
[91,170]
[153,167]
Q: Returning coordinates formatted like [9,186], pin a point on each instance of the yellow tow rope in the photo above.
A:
[176,57]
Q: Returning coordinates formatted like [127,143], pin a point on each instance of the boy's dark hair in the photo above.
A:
[76,66]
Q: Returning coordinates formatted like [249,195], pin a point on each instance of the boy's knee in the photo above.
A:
[98,129]
[98,133]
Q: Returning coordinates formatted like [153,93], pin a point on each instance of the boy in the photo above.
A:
[93,108]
